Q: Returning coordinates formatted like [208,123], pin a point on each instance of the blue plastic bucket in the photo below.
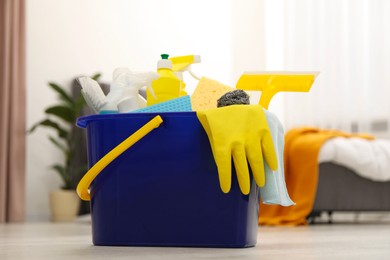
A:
[164,190]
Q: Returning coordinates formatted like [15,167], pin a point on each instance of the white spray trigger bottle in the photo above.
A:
[136,81]
[123,95]
[117,91]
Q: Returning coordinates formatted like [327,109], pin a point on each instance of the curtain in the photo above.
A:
[348,41]
[12,110]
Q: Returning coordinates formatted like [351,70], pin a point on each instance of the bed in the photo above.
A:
[341,189]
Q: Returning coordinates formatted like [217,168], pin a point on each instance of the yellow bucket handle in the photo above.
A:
[85,182]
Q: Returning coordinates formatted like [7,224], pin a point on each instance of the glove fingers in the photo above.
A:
[223,159]
[242,171]
[269,151]
[219,147]
[255,158]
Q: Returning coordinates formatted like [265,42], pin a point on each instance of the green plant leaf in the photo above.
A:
[82,170]
[79,105]
[96,76]
[49,123]
[61,146]
[60,169]
[67,109]
[63,112]
[67,186]
[61,92]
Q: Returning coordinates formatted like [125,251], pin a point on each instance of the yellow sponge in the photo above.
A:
[207,93]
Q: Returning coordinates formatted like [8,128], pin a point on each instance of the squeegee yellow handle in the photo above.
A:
[272,83]
[82,187]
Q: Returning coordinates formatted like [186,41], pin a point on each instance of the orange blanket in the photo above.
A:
[302,146]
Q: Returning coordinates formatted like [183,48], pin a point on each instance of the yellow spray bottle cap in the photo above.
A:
[271,83]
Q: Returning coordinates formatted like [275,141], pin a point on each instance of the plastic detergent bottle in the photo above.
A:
[167,86]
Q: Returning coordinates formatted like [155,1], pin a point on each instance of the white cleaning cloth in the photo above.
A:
[275,191]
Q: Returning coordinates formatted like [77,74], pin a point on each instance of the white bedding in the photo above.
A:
[369,159]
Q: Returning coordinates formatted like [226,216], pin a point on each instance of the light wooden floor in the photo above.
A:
[73,241]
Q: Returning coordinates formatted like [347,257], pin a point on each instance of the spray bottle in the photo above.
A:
[168,86]
[123,95]
[181,64]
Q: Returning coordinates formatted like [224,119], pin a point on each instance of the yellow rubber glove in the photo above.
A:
[241,132]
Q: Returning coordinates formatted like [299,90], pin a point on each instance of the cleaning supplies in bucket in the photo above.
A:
[177,158]
[209,94]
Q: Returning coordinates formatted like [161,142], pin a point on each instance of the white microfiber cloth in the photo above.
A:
[275,191]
